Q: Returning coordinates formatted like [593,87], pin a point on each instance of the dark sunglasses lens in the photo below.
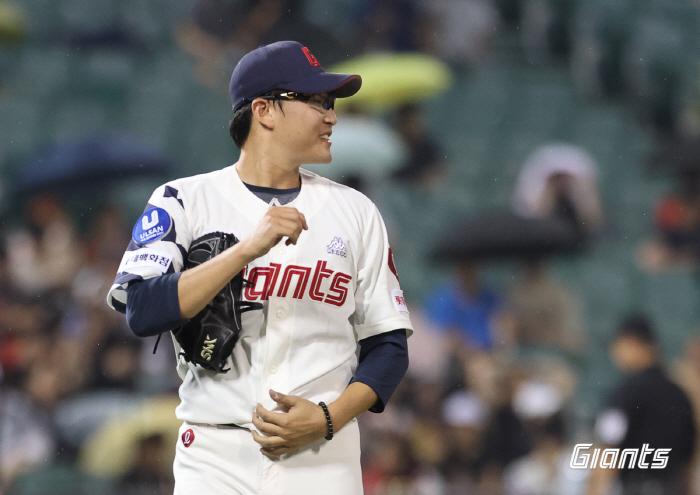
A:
[329,104]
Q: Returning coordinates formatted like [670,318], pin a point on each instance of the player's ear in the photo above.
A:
[263,111]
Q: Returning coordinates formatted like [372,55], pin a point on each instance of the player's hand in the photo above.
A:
[277,223]
[301,423]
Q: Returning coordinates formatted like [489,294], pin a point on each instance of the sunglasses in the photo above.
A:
[316,101]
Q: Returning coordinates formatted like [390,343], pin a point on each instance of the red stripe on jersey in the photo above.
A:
[392,266]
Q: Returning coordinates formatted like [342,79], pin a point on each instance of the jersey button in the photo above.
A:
[280,313]
[273,369]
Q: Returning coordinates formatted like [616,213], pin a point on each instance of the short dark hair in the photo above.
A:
[239,126]
[638,326]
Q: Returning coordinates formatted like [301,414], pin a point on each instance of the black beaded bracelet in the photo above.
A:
[328,420]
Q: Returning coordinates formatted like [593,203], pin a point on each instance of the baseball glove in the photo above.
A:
[208,339]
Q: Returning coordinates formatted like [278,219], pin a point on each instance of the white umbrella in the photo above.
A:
[362,145]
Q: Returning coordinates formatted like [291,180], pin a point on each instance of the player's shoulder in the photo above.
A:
[182,188]
[199,180]
[337,190]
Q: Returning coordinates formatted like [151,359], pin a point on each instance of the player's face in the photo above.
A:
[305,127]
[631,354]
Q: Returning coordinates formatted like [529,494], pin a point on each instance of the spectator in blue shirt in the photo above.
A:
[465,307]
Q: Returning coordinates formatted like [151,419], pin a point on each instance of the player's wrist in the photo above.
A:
[246,251]
[328,422]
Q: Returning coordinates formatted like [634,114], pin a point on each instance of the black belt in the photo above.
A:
[224,426]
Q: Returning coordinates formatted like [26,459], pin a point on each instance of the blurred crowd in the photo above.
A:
[488,405]
[69,364]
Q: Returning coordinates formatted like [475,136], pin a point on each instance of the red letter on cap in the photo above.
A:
[310,56]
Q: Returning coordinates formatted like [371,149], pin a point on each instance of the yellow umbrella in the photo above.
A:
[112,450]
[11,23]
[393,79]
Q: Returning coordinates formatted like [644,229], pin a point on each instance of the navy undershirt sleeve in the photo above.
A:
[383,358]
[153,306]
[383,363]
[161,292]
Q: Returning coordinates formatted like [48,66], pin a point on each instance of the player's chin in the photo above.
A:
[320,158]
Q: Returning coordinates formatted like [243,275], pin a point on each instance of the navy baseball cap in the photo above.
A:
[286,65]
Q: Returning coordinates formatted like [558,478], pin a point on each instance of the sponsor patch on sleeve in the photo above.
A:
[151,226]
[145,258]
[399,301]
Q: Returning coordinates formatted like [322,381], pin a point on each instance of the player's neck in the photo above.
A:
[265,171]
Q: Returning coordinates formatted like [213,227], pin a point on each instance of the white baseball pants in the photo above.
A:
[223,461]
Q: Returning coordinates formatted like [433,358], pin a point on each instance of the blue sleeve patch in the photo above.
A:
[151,226]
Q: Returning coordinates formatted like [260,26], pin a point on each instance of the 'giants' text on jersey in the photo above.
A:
[326,285]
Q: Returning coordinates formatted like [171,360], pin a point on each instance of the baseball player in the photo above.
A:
[330,339]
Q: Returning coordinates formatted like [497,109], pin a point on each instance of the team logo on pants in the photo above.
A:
[188,438]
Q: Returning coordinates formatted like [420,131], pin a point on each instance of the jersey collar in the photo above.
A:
[313,194]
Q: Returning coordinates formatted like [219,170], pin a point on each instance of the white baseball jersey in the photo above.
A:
[338,285]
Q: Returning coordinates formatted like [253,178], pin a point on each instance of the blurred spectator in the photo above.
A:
[426,435]
[105,240]
[536,400]
[510,12]
[560,180]
[505,442]
[547,30]
[466,417]
[647,409]
[463,30]
[486,374]
[390,467]
[471,317]
[465,308]
[391,25]
[506,438]
[546,470]
[45,254]
[541,389]
[678,216]
[150,475]
[24,332]
[427,348]
[545,312]
[677,224]
[599,44]
[413,421]
[29,384]
[26,435]
[116,364]
[425,164]
[220,32]
[654,74]
[85,25]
